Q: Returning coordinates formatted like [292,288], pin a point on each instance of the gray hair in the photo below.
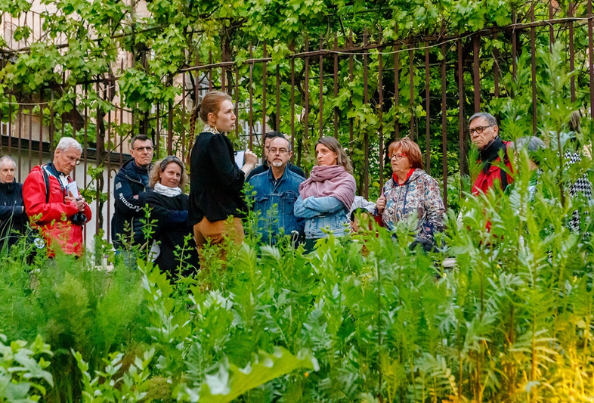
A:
[284,137]
[9,159]
[68,142]
[491,120]
[530,143]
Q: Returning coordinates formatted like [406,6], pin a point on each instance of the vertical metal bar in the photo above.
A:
[571,52]
[306,89]
[533,62]
[591,57]
[551,29]
[427,115]
[411,71]
[183,118]
[52,124]
[73,122]
[20,120]
[277,123]
[496,71]
[121,122]
[462,140]
[476,72]
[335,85]
[366,133]
[293,107]
[85,137]
[236,101]
[210,71]
[396,92]
[351,103]
[223,68]
[321,102]
[157,136]
[380,110]
[264,93]
[85,159]
[30,137]
[514,45]
[444,126]
[170,126]
[251,128]
[122,137]
[10,128]
[40,126]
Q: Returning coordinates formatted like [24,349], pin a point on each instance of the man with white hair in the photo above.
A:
[12,208]
[53,202]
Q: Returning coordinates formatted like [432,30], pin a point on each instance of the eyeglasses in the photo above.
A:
[397,156]
[479,129]
[278,150]
[141,149]
[72,160]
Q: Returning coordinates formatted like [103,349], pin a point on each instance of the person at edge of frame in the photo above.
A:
[12,206]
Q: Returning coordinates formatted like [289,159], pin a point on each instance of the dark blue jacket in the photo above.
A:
[275,202]
[12,212]
[130,181]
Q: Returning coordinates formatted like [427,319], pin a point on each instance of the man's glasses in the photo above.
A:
[72,160]
[397,156]
[479,129]
[278,150]
[141,149]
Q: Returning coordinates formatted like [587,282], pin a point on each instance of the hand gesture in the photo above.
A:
[250,158]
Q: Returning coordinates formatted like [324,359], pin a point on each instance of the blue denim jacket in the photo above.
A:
[275,202]
[328,213]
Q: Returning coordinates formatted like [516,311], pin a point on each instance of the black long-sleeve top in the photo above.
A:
[215,180]
[171,228]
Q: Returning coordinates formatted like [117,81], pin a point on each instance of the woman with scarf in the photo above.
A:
[411,191]
[216,181]
[173,243]
[326,197]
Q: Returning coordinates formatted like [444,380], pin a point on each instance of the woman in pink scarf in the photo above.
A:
[326,197]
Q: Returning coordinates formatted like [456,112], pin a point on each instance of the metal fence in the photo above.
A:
[361,89]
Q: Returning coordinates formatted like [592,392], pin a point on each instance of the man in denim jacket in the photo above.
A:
[275,193]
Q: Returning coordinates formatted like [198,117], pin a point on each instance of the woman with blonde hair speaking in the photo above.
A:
[216,181]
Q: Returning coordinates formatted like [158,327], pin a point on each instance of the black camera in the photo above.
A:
[79,218]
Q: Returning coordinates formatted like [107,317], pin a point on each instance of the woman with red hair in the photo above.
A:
[411,191]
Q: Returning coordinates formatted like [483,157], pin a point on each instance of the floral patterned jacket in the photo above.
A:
[419,195]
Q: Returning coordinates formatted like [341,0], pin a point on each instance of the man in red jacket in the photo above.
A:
[53,202]
[484,132]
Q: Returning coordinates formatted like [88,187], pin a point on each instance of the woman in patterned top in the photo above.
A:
[411,191]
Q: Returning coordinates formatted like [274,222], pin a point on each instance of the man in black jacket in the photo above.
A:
[130,187]
[264,167]
[12,208]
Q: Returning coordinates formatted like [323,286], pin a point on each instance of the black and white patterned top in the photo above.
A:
[581,187]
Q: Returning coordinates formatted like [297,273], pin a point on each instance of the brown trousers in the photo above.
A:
[216,231]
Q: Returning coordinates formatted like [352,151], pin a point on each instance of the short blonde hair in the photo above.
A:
[160,166]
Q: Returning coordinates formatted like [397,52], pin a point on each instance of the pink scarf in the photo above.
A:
[331,180]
